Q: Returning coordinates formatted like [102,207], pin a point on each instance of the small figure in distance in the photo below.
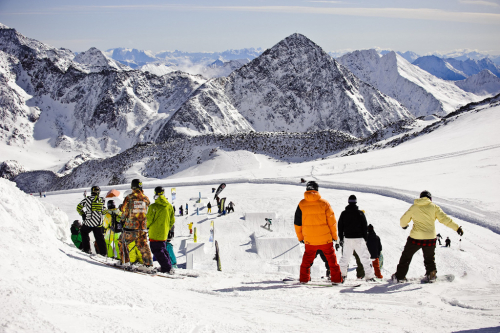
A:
[448,242]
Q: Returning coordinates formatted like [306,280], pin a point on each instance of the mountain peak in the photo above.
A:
[95,60]
[3,26]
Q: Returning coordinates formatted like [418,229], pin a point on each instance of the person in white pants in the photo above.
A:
[353,231]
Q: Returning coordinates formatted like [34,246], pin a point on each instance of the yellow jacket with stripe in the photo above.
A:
[424,214]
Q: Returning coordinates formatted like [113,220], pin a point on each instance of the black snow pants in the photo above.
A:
[161,254]
[410,249]
[99,238]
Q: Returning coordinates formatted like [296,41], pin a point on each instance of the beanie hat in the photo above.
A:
[426,194]
[370,227]
[352,199]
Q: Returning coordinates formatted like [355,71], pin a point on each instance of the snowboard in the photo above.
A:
[132,269]
[266,228]
[217,256]
[291,281]
[440,278]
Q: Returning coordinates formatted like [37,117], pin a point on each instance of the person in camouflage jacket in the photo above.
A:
[134,209]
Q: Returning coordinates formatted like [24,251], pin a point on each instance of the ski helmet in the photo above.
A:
[136,184]
[426,194]
[312,185]
[95,190]
[159,190]
[111,204]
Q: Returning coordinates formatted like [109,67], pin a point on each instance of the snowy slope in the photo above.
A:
[47,283]
[484,84]
[423,94]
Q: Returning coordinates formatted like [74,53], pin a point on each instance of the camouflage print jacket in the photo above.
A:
[134,209]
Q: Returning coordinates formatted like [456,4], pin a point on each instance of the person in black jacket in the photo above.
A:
[353,234]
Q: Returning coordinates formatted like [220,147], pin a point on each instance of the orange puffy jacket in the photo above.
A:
[315,222]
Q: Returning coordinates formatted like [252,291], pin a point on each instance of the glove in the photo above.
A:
[341,242]
[406,227]
[84,216]
[460,231]
[302,241]
[337,247]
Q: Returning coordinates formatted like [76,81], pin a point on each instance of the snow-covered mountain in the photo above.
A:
[453,69]
[87,103]
[483,84]
[95,61]
[294,86]
[133,58]
[439,67]
[472,66]
[422,93]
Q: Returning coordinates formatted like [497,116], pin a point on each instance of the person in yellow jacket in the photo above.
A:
[316,227]
[423,235]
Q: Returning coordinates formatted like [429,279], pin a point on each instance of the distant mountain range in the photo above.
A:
[92,103]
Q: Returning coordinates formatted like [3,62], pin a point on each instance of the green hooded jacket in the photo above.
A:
[160,218]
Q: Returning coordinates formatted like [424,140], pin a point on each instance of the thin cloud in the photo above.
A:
[480,2]
[399,13]
[332,2]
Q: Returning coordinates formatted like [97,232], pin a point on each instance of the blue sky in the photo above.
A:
[421,26]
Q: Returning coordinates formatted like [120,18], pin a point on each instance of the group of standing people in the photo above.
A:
[316,227]
[129,227]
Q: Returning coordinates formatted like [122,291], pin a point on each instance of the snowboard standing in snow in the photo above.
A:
[217,257]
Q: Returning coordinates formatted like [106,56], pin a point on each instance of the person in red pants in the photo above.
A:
[316,227]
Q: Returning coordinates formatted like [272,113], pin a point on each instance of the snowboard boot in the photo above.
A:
[327,273]
[344,278]
[395,279]
[431,277]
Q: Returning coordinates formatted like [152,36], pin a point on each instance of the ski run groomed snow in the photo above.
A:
[47,285]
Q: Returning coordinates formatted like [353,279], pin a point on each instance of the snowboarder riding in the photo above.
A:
[423,235]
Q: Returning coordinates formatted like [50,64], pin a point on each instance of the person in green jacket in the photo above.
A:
[423,235]
[160,219]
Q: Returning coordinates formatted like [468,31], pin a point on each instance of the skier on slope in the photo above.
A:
[209,208]
[447,242]
[439,237]
[160,219]
[353,234]
[91,209]
[113,229]
[423,235]
[316,226]
[134,211]
[230,207]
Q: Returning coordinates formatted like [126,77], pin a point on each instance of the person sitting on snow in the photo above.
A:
[76,237]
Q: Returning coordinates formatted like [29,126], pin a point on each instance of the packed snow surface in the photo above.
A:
[47,285]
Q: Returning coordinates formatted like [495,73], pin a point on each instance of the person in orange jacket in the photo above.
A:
[316,227]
